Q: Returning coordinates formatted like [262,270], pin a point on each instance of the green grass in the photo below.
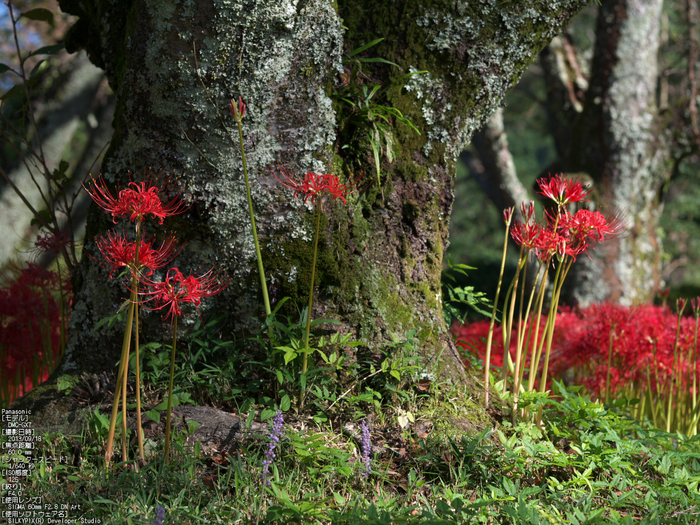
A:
[588,464]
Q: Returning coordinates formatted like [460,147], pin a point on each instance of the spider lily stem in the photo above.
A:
[261,269]
[118,388]
[311,298]
[170,392]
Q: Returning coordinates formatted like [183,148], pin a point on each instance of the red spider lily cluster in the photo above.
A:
[141,258]
[563,233]
[30,327]
[642,350]
[643,347]
[137,202]
[313,186]
[556,243]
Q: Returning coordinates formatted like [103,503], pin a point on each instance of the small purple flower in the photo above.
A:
[160,515]
[366,447]
[277,423]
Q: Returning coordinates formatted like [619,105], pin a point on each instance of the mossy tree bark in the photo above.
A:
[380,256]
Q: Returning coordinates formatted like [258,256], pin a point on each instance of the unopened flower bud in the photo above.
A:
[237,112]
[508,215]
[680,304]
[528,210]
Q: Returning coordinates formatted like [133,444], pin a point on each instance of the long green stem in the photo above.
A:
[522,330]
[311,288]
[125,457]
[551,321]
[508,326]
[311,298]
[170,393]
[118,387]
[532,340]
[134,287]
[675,365]
[607,379]
[139,429]
[261,269]
[489,339]
[537,349]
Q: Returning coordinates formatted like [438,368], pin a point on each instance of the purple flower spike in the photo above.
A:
[277,423]
[366,447]
[160,515]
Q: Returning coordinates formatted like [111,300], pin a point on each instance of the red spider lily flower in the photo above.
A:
[314,186]
[695,303]
[550,243]
[120,253]
[177,289]
[48,242]
[526,234]
[589,227]
[135,202]
[561,190]
[237,112]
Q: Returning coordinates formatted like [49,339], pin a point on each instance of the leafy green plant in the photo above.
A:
[458,300]
[362,112]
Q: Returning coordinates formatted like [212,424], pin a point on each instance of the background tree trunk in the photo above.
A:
[621,143]
[380,257]
[608,131]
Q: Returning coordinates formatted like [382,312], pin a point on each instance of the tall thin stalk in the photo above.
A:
[166,454]
[311,286]
[508,216]
[310,305]
[120,374]
[120,388]
[238,112]
[511,298]
[680,307]
[607,379]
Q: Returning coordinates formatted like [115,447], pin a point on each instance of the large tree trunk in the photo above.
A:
[380,257]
